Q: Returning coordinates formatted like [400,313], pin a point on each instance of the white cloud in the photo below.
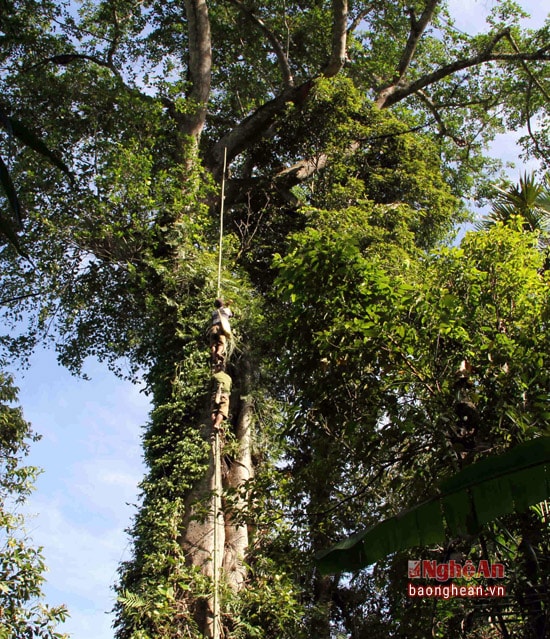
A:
[470,15]
[91,456]
[82,533]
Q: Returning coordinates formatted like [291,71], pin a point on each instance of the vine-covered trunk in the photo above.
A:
[203,533]
[237,477]
[214,532]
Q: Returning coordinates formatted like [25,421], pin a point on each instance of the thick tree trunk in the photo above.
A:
[338,54]
[215,537]
[199,65]
[240,471]
[203,538]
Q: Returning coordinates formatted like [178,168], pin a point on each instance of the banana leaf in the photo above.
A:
[493,487]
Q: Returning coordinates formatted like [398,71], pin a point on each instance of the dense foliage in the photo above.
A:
[371,359]
[382,418]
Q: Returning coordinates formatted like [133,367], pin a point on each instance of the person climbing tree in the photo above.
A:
[220,398]
[220,332]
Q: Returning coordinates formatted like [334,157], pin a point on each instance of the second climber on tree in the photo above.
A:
[220,398]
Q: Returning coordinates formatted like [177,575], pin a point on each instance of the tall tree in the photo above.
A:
[365,121]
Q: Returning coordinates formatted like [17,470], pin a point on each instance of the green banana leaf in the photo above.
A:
[493,487]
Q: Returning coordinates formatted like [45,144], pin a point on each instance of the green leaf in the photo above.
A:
[490,488]
[9,189]
[30,139]
[7,227]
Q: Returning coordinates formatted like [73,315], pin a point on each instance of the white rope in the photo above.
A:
[217,475]
[216,552]
[221,222]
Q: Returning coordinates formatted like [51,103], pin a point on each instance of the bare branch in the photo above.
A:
[64,59]
[303,169]
[530,131]
[254,127]
[533,80]
[496,39]
[358,19]
[282,58]
[399,91]
[443,130]
[417,29]
[117,32]
[338,55]
[18,298]
[533,77]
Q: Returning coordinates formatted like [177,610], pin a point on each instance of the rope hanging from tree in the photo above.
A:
[216,550]
[220,332]
[222,203]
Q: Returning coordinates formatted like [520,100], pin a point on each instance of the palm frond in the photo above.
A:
[530,200]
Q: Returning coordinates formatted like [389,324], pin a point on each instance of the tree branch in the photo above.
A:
[117,32]
[530,131]
[358,19]
[417,29]
[532,80]
[282,58]
[257,124]
[338,55]
[64,59]
[399,91]
[443,130]
[527,69]
[199,65]
[254,127]
[305,168]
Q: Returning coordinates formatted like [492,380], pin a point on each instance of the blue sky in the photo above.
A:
[91,452]
[91,455]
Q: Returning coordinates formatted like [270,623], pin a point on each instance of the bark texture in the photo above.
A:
[240,471]
[199,65]
[203,532]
